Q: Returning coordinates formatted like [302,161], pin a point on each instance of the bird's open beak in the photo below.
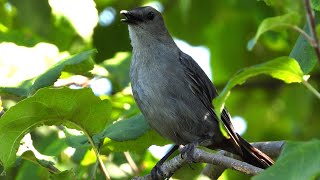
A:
[130,17]
[126,14]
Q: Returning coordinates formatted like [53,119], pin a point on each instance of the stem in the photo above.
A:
[132,164]
[103,168]
[311,88]
[93,175]
[299,30]
[312,26]
[306,35]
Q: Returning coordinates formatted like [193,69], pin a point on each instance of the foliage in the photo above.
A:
[48,84]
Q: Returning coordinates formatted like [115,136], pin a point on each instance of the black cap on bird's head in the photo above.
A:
[145,20]
[146,25]
[140,15]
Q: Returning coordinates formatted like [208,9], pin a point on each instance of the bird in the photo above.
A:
[175,95]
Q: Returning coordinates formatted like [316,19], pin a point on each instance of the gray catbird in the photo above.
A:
[173,92]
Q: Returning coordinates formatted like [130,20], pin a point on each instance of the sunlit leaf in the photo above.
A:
[283,68]
[77,64]
[1,108]
[78,109]
[273,24]
[299,160]
[89,158]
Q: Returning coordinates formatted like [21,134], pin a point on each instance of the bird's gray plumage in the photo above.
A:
[172,91]
[164,83]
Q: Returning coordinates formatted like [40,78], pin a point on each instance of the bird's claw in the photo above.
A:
[187,152]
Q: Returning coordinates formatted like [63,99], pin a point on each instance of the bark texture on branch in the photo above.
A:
[220,161]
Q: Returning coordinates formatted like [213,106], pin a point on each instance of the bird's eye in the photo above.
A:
[150,15]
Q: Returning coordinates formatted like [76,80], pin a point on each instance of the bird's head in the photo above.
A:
[145,22]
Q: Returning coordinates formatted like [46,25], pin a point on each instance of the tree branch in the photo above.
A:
[219,161]
[272,149]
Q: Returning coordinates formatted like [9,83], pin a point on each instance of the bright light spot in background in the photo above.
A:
[200,54]
[100,86]
[82,14]
[107,16]
[69,151]
[18,63]
[155,4]
[27,145]
[159,151]
[8,7]
[240,124]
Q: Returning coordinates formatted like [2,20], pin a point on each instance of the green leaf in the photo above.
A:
[1,108]
[299,160]
[29,155]
[128,129]
[77,64]
[123,130]
[274,24]
[78,109]
[77,141]
[140,144]
[303,52]
[118,68]
[65,175]
[315,4]
[268,2]
[283,68]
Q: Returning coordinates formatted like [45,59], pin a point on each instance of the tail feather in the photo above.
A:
[253,155]
[248,153]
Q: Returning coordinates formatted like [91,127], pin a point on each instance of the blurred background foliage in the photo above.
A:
[37,34]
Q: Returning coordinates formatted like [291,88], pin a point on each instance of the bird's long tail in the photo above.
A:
[253,155]
[246,151]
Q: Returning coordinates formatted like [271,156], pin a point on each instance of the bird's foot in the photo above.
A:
[187,152]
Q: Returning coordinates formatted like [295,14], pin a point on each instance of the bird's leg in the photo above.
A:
[156,171]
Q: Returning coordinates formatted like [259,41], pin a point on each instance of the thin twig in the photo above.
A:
[299,30]
[131,162]
[102,166]
[95,167]
[306,35]
[312,26]
[311,88]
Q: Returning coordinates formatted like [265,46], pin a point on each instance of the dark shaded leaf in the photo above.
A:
[127,129]
[65,175]
[303,52]
[29,155]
